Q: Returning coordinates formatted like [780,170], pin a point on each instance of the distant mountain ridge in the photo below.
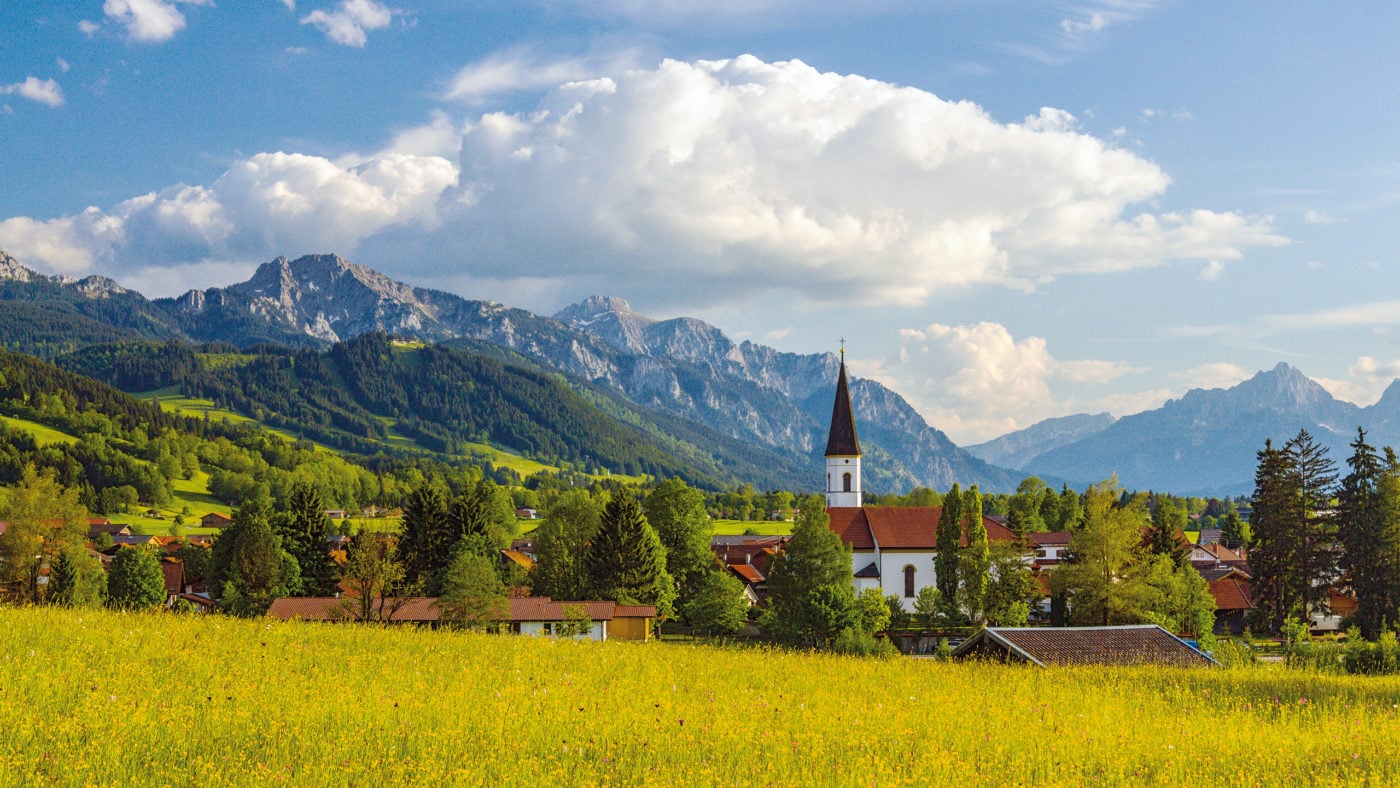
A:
[1205,442]
[1015,449]
[681,368]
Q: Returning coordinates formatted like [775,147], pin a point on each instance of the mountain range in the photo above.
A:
[726,397]
[682,368]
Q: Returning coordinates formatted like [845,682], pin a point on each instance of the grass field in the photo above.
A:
[217,701]
[763,527]
[42,435]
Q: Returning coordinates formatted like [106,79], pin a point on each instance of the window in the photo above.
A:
[845,482]
[909,581]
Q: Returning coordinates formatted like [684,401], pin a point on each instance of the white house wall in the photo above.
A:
[892,563]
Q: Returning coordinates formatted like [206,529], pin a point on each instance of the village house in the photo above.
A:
[215,520]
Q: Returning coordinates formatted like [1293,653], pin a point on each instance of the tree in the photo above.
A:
[1292,529]
[1100,558]
[1235,533]
[42,519]
[303,529]
[718,605]
[377,577]
[1368,536]
[872,613]
[1165,535]
[135,581]
[949,536]
[626,561]
[1070,510]
[473,596]
[809,585]
[1023,511]
[677,512]
[78,579]
[425,543]
[259,570]
[976,564]
[1012,588]
[929,607]
[561,545]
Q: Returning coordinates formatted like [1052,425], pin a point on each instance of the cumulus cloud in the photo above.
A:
[44,91]
[269,204]
[350,20]
[976,382]
[741,173]
[1369,378]
[148,21]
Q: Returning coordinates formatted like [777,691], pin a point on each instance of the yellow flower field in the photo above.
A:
[102,698]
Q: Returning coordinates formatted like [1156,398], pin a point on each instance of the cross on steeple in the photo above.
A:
[843,347]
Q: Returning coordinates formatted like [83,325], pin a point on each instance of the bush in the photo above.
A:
[853,641]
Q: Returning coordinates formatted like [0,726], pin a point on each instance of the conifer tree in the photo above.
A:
[950,532]
[425,543]
[976,564]
[1164,536]
[1368,542]
[810,598]
[1235,533]
[1315,477]
[1071,511]
[303,529]
[1275,521]
[626,562]
[78,580]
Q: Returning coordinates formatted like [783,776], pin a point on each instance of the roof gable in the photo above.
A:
[1120,645]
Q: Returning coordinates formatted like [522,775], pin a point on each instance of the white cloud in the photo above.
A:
[269,204]
[523,68]
[149,21]
[778,334]
[44,91]
[1212,272]
[88,27]
[62,65]
[1369,379]
[1317,217]
[349,21]
[290,4]
[1218,375]
[976,382]
[740,173]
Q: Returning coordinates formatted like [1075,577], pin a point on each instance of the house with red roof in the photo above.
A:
[892,547]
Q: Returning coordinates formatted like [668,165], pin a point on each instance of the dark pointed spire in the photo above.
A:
[841,440]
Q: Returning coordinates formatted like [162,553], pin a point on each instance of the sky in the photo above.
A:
[1009,210]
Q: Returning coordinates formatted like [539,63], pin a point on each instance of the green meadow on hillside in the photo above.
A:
[223,701]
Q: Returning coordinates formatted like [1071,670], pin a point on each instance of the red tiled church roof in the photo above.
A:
[900,527]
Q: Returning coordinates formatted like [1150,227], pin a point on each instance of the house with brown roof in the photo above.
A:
[1234,598]
[1050,548]
[1139,644]
[215,520]
[892,547]
[1216,556]
[539,616]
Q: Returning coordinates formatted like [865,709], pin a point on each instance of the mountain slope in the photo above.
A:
[1015,449]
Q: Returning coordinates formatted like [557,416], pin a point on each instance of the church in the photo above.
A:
[892,547]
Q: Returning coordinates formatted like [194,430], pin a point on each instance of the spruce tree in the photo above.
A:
[1314,476]
[1235,533]
[1164,536]
[425,544]
[950,531]
[303,529]
[626,562]
[1367,551]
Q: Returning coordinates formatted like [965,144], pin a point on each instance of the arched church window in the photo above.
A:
[909,581]
[845,482]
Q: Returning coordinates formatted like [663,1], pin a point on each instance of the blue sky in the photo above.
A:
[1012,210]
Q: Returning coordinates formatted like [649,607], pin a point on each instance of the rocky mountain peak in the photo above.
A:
[99,287]
[1281,388]
[11,270]
[611,319]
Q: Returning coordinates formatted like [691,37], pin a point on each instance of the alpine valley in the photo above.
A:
[342,354]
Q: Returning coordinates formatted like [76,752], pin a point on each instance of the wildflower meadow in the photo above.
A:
[144,699]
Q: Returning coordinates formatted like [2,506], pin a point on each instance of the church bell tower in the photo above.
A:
[842,448]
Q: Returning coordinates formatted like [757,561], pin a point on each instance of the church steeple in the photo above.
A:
[842,447]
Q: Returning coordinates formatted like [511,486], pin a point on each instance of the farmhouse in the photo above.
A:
[215,520]
[892,547]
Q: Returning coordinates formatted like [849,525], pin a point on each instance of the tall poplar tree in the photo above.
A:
[950,531]
[976,564]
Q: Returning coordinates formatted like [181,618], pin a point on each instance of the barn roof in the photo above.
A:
[1120,645]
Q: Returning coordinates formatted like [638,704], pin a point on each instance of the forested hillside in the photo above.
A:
[369,394]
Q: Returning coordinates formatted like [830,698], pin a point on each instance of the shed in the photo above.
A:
[1138,644]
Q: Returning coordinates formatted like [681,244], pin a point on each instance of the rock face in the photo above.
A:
[1205,442]
[1015,449]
